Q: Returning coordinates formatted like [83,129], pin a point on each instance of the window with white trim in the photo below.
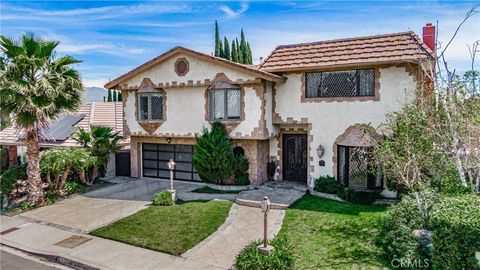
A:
[150,106]
[224,104]
[345,83]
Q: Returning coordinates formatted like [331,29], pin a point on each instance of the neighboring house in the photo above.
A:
[59,132]
[303,99]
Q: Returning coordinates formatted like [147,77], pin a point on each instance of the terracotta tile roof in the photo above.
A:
[107,114]
[246,68]
[389,48]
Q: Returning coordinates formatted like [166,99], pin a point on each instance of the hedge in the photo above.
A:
[455,223]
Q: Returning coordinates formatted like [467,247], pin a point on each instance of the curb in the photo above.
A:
[55,258]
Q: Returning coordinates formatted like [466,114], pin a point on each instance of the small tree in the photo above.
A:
[226,47]
[101,141]
[213,158]
[109,97]
[119,97]
[58,163]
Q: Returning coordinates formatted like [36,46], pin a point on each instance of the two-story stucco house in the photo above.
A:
[304,106]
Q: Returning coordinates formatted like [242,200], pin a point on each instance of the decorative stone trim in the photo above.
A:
[182,66]
[190,83]
[354,135]
[150,126]
[376,97]
[230,187]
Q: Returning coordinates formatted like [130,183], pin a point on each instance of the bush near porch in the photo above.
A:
[171,229]
[215,161]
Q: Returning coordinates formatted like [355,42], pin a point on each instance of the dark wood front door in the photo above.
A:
[295,157]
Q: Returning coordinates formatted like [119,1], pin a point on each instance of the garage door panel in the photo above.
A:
[183,157]
[183,167]
[151,164]
[156,157]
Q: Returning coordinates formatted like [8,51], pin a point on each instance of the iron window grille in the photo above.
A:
[150,106]
[224,104]
[345,83]
[355,168]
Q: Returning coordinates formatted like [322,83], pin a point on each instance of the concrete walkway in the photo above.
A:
[97,253]
[243,225]
[86,212]
[281,194]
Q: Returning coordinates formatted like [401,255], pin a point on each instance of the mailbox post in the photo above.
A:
[265,249]
[171,167]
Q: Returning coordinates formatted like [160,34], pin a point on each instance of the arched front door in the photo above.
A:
[295,157]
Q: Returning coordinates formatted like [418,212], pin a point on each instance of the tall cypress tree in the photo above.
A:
[119,96]
[218,42]
[249,52]
[114,96]
[226,49]
[234,57]
[243,48]
[109,97]
[239,53]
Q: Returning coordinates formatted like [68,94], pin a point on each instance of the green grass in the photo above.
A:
[215,191]
[171,229]
[331,235]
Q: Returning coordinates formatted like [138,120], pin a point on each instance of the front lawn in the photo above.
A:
[331,235]
[171,229]
[210,190]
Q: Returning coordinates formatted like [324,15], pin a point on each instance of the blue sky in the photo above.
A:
[112,37]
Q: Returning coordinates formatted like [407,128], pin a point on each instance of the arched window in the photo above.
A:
[150,102]
[238,151]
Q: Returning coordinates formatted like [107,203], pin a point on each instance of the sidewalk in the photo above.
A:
[88,250]
[243,225]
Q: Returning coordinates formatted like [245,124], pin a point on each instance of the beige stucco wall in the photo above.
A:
[198,70]
[330,119]
[185,113]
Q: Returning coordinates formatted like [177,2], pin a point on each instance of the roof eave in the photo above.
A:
[259,73]
[320,67]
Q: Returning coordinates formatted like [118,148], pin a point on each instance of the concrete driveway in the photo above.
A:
[86,212]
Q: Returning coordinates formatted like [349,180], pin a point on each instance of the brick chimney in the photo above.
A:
[429,36]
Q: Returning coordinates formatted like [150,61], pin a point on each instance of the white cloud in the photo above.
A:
[230,13]
[14,12]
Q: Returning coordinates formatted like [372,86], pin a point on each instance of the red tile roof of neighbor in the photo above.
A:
[106,114]
[388,48]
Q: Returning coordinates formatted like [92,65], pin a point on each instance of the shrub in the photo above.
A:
[163,198]
[241,170]
[73,187]
[282,258]
[328,184]
[9,177]
[456,232]
[213,158]
[358,196]
[395,233]
[3,159]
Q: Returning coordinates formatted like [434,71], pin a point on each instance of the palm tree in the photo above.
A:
[36,87]
[101,141]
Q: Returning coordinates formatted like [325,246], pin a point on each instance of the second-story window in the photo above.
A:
[345,83]
[224,104]
[150,106]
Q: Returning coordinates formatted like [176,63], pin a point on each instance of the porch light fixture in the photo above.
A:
[320,151]
[265,249]
[169,140]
